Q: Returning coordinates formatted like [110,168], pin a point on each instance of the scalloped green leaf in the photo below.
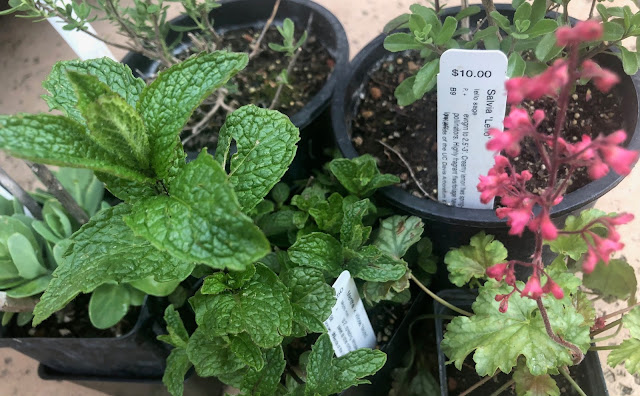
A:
[613,281]
[360,175]
[311,298]
[168,102]
[327,375]
[115,75]
[106,250]
[57,140]
[534,385]
[521,327]
[261,308]
[318,250]
[200,220]
[628,352]
[266,144]
[573,245]
[178,365]
[398,233]
[631,321]
[471,261]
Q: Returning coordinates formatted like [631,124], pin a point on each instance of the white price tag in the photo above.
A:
[471,100]
[349,326]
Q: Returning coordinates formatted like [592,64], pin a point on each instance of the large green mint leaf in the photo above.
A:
[246,350]
[613,281]
[177,366]
[114,124]
[178,336]
[398,233]
[311,297]
[353,233]
[106,250]
[628,352]
[57,140]
[115,75]
[471,261]
[261,308]
[210,355]
[167,104]
[264,382]
[327,375]
[573,245]
[521,328]
[328,214]
[318,250]
[200,220]
[266,144]
[372,264]
[534,385]
[360,176]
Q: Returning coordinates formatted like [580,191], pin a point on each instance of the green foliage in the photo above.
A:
[629,350]
[360,176]
[471,261]
[534,385]
[573,245]
[613,281]
[289,45]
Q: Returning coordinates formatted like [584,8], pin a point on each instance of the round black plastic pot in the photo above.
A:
[314,118]
[448,226]
[587,374]
[136,355]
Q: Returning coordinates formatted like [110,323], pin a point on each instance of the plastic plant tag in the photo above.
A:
[84,46]
[471,100]
[349,326]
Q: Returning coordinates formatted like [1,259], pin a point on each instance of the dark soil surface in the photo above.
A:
[258,82]
[412,130]
[73,322]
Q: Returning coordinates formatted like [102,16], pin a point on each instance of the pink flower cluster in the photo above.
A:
[599,155]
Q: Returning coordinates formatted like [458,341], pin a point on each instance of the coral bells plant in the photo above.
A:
[547,321]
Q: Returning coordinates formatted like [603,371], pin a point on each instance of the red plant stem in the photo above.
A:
[577,354]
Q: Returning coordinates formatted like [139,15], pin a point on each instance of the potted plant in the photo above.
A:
[412,127]
[297,49]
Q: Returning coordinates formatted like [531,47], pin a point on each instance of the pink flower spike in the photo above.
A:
[558,200]
[617,137]
[564,35]
[538,116]
[598,169]
[619,159]
[553,288]
[549,230]
[504,305]
[507,141]
[606,80]
[532,289]
[589,262]
[589,30]
[620,219]
[517,118]
[497,271]
[517,218]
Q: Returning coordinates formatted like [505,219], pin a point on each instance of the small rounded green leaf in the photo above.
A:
[543,26]
[448,28]
[398,42]
[426,78]
[108,305]
[516,65]
[31,288]
[25,257]
[629,61]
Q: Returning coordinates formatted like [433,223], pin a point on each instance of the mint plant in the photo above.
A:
[548,322]
[529,40]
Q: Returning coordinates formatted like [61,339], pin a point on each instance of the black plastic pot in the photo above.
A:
[136,355]
[592,382]
[314,118]
[447,226]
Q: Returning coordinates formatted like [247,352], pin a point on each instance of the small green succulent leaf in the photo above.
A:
[318,250]
[178,365]
[152,287]
[108,305]
[261,308]
[471,261]
[628,352]
[613,281]
[467,12]
[266,144]
[311,297]
[612,31]
[534,385]
[547,48]
[200,221]
[521,327]
[397,234]
[211,356]
[115,75]
[538,11]
[246,350]
[178,336]
[629,60]
[30,288]
[542,27]
[502,21]
[106,250]
[168,102]
[60,141]
[25,257]
[360,176]
[327,375]
[84,187]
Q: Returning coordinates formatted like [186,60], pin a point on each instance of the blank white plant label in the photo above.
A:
[471,100]
[349,326]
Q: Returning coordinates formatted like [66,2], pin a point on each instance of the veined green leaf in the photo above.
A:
[57,140]
[613,281]
[360,176]
[178,365]
[628,352]
[398,233]
[167,104]
[178,336]
[266,143]
[471,261]
[115,75]
[318,250]
[106,250]
[210,355]
[246,350]
[200,221]
[372,264]
[534,385]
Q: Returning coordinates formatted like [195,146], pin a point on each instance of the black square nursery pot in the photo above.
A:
[587,374]
[314,119]
[134,356]
[449,227]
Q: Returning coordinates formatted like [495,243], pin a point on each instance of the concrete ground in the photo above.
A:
[27,52]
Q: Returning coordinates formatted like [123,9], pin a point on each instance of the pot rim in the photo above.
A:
[428,209]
